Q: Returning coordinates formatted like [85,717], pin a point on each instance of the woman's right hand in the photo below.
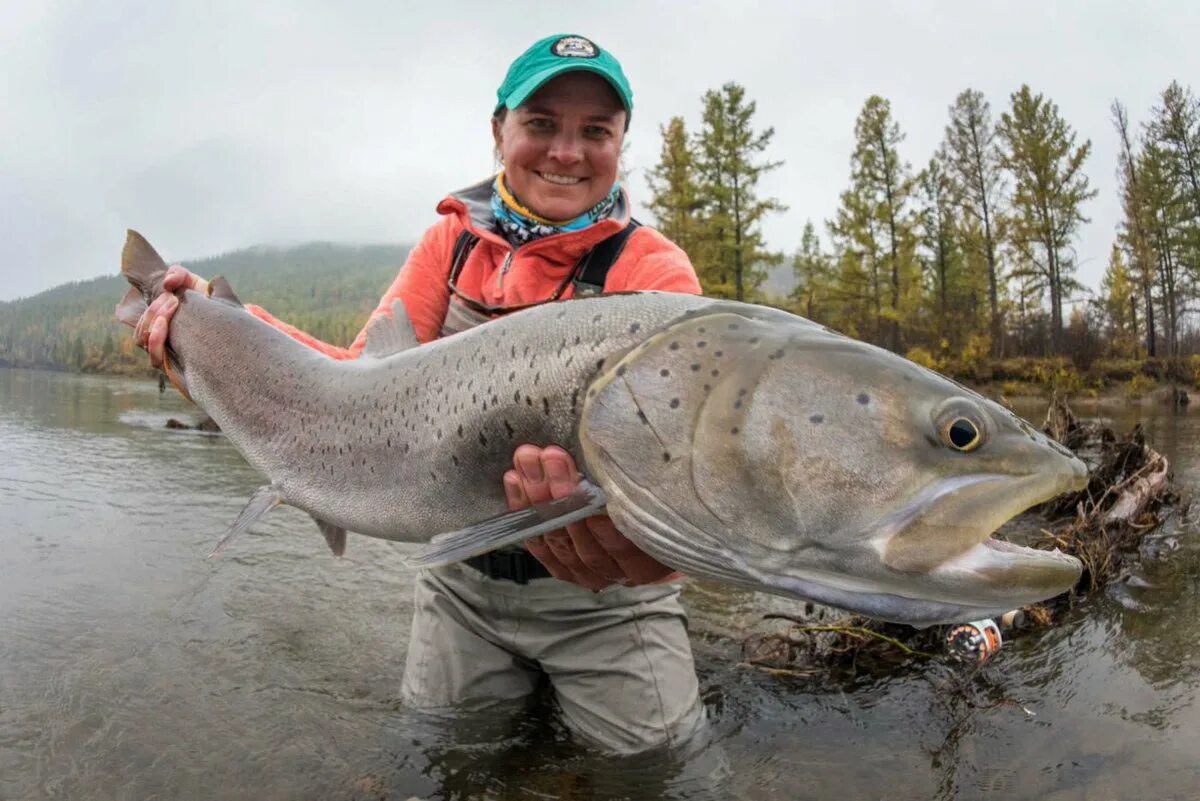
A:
[151,330]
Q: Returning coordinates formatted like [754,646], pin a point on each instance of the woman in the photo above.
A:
[545,228]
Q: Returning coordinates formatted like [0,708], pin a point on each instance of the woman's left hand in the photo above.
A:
[591,553]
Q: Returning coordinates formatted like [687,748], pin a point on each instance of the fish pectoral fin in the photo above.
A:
[586,500]
[334,535]
[387,335]
[262,501]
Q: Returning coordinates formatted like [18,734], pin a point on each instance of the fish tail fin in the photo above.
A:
[142,267]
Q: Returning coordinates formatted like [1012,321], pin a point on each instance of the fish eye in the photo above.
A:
[963,435]
[960,424]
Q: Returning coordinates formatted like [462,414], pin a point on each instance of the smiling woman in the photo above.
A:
[553,224]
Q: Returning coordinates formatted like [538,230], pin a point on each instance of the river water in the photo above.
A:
[133,667]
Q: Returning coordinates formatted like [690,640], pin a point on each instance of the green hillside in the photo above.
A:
[325,289]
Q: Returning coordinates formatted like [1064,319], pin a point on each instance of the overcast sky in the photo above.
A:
[210,126]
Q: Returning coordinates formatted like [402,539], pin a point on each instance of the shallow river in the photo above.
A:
[133,667]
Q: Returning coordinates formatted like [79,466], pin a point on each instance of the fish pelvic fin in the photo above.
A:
[334,535]
[586,500]
[387,335]
[262,501]
[142,267]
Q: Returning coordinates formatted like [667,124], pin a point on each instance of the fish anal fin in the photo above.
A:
[387,335]
[586,500]
[334,535]
[219,288]
[262,501]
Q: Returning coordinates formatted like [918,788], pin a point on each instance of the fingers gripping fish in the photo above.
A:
[735,442]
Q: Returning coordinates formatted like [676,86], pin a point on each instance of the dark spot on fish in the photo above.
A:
[715,373]
[701,329]
[537,377]
[596,319]
[674,346]
[777,354]
[528,400]
[574,399]
[734,430]
[702,343]
[733,326]
[454,459]
[620,370]
[545,406]
[707,387]
[817,419]
[695,368]
[509,429]
[718,353]
[737,404]
[460,430]
[664,372]
[482,439]
[633,329]
[908,378]
[863,398]
[674,403]
[517,396]
[742,392]
[577,340]
[642,416]
[433,475]
[600,365]
[591,393]
[666,456]
[512,376]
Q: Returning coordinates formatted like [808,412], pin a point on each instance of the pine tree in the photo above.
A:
[674,198]
[1050,189]
[729,163]
[942,251]
[877,218]
[1118,300]
[973,162]
[1135,228]
[812,271]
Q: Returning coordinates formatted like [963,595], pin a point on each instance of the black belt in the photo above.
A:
[519,566]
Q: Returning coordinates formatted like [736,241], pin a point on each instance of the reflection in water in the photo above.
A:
[131,666]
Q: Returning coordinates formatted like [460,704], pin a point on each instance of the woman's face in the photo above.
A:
[561,147]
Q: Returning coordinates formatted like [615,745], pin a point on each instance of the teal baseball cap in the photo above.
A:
[553,56]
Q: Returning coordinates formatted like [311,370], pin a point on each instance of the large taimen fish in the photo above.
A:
[734,442]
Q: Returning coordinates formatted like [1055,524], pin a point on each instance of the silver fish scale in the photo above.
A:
[415,444]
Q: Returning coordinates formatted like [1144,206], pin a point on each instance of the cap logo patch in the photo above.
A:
[574,47]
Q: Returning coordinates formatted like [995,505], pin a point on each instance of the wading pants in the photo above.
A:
[619,660]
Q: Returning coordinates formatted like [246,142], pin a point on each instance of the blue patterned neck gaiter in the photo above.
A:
[521,226]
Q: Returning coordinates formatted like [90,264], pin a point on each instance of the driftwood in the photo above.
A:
[1129,494]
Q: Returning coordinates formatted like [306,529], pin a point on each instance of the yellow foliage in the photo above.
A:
[922,357]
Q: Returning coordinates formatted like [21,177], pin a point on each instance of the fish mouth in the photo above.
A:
[936,561]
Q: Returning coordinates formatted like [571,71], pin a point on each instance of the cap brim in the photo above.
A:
[537,80]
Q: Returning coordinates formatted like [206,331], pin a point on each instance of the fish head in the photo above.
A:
[815,466]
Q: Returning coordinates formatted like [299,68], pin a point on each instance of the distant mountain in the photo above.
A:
[323,288]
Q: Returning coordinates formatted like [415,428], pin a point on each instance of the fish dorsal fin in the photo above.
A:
[387,335]
[219,288]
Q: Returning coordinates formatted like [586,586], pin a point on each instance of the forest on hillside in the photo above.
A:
[325,289]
